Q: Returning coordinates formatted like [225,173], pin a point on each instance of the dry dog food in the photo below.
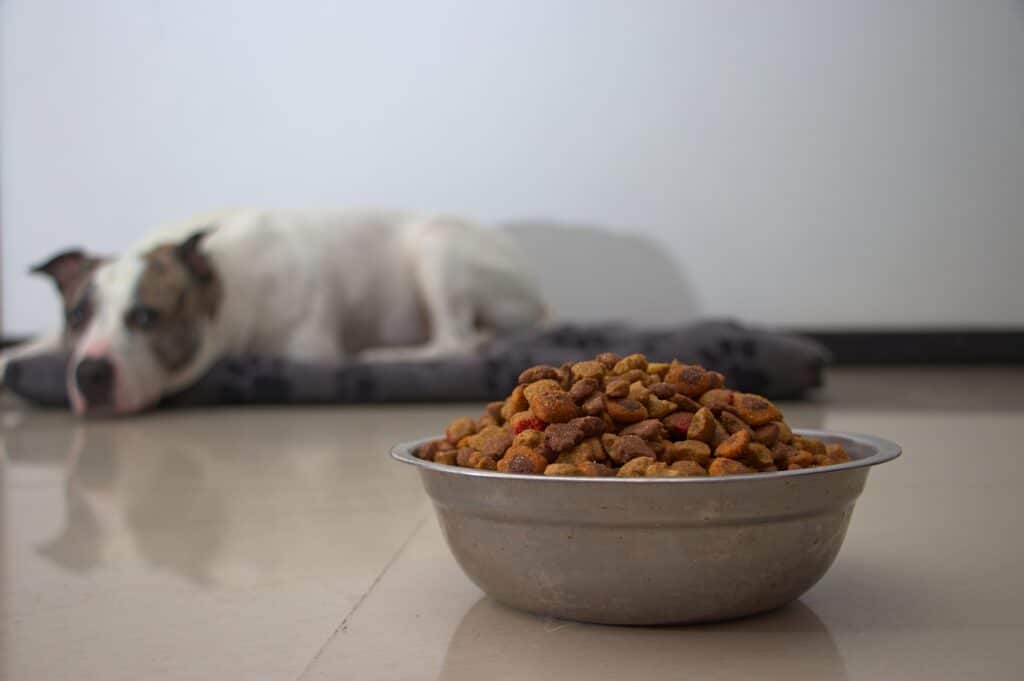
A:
[628,417]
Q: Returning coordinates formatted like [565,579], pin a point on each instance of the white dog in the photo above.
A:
[298,285]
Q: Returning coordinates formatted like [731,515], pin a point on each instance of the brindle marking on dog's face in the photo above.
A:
[170,304]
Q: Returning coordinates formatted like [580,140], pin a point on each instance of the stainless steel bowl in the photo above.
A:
[649,550]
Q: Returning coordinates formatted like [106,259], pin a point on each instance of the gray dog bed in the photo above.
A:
[773,364]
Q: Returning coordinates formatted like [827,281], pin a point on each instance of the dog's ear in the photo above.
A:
[200,266]
[68,268]
[194,260]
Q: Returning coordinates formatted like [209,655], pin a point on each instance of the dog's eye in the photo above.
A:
[78,316]
[141,317]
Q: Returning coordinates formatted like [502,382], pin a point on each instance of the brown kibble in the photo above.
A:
[754,409]
[626,410]
[658,368]
[648,429]
[595,417]
[630,362]
[582,390]
[627,447]
[728,467]
[721,435]
[447,458]
[494,411]
[656,470]
[782,453]
[759,456]
[663,390]
[734,445]
[688,450]
[639,392]
[596,448]
[562,469]
[689,469]
[522,460]
[462,455]
[836,453]
[594,406]
[717,399]
[460,428]
[554,407]
[578,454]
[732,423]
[616,388]
[590,425]
[658,408]
[702,427]
[690,380]
[588,450]
[592,469]
[492,441]
[632,376]
[529,438]
[767,435]
[678,424]
[635,468]
[536,373]
[685,403]
[810,444]
[565,376]
[526,420]
[482,462]
[535,389]
[561,437]
[485,421]
[427,450]
[608,440]
[591,369]
[802,458]
[515,403]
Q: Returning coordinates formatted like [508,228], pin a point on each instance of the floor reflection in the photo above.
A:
[494,642]
[208,503]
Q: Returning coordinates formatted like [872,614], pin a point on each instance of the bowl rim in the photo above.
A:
[882,451]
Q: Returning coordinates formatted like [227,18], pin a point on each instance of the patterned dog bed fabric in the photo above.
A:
[773,364]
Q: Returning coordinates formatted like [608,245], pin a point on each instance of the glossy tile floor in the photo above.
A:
[283,544]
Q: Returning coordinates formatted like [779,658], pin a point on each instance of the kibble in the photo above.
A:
[628,417]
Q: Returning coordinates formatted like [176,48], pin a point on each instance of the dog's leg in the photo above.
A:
[446,290]
[316,339]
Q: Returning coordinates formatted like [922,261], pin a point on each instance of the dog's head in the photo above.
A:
[135,325]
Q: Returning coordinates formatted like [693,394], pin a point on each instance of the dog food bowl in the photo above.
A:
[644,551]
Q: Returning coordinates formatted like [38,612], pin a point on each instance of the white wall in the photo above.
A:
[814,163]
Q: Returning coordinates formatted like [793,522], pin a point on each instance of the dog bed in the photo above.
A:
[773,364]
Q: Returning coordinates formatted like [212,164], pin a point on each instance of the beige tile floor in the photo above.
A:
[283,544]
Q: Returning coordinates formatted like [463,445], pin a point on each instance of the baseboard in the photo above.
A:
[932,346]
[881,347]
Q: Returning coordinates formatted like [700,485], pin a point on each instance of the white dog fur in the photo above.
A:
[316,286]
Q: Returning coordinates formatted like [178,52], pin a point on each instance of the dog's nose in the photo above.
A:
[95,378]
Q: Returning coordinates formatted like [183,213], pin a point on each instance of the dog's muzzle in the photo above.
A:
[95,379]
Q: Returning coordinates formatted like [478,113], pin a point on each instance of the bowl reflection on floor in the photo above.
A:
[493,641]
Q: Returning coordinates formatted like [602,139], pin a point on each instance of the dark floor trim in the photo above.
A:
[933,346]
